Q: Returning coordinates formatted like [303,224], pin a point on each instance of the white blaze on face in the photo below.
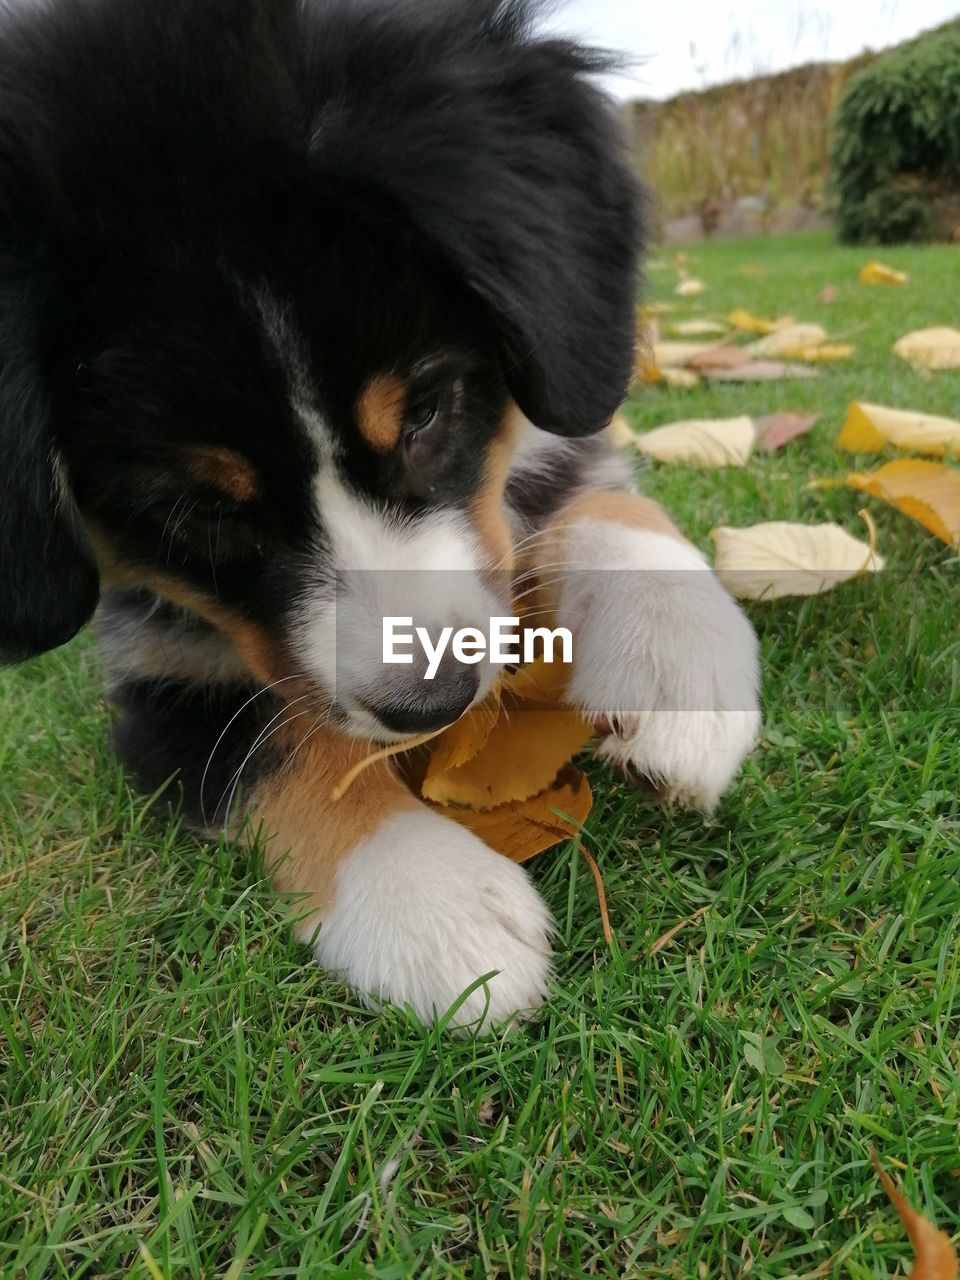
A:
[374,566]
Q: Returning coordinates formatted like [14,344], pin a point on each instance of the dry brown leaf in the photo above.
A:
[701,442]
[791,341]
[781,558]
[880,273]
[868,428]
[761,371]
[719,357]
[777,429]
[521,830]
[828,295]
[520,758]
[936,1258]
[937,348]
[927,492]
[690,288]
[748,323]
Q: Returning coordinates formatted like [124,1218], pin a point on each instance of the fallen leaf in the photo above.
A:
[762,371]
[937,348]
[677,354]
[620,432]
[828,295]
[520,758]
[719,357]
[683,379]
[880,273]
[466,737]
[936,1258]
[690,288]
[777,429]
[927,492]
[702,442]
[828,351]
[539,682]
[792,340]
[869,427]
[748,323]
[525,828]
[699,328]
[780,558]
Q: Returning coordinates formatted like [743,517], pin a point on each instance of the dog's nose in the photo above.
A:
[431,704]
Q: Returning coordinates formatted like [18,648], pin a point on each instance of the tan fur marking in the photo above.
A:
[487,508]
[619,507]
[610,506]
[306,834]
[380,412]
[264,655]
[223,469]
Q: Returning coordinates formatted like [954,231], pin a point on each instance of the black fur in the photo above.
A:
[403,174]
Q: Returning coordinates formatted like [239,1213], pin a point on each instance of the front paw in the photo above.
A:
[423,909]
[666,664]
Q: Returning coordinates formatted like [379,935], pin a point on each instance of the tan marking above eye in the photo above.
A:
[380,411]
[223,469]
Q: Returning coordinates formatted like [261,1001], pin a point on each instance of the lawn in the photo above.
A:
[182,1095]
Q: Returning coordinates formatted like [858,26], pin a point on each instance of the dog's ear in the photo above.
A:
[499,148]
[49,584]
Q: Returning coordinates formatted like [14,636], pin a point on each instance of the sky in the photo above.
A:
[689,44]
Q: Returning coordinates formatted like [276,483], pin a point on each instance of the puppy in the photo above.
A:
[313,312]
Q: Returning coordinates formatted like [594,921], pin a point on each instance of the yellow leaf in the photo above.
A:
[707,442]
[869,427]
[682,379]
[520,758]
[828,351]
[936,1258]
[937,348]
[793,340]
[879,273]
[467,736]
[676,354]
[747,323]
[779,558]
[690,288]
[927,492]
[521,830]
[620,432]
[699,328]
[538,682]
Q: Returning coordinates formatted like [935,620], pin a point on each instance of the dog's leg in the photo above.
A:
[664,660]
[407,905]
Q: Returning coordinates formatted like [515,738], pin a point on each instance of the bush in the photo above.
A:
[896,144]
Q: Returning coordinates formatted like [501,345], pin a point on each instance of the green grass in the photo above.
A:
[173,1075]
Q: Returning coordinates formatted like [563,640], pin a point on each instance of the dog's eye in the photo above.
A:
[420,415]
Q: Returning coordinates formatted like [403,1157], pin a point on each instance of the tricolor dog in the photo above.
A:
[314,312]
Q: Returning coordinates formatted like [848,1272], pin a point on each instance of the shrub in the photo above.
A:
[896,145]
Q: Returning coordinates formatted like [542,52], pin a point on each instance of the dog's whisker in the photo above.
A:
[268,688]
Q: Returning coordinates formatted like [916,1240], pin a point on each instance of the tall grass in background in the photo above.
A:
[768,136]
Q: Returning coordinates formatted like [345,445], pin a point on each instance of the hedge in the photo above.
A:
[896,145]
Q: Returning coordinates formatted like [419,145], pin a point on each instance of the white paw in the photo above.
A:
[424,909]
[664,658]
